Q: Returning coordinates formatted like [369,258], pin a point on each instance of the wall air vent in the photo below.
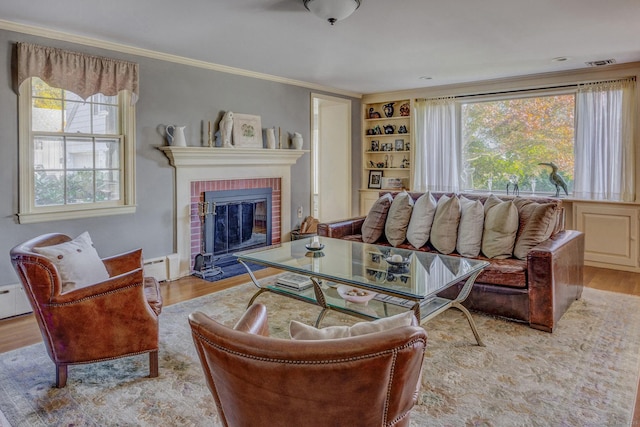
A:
[601,63]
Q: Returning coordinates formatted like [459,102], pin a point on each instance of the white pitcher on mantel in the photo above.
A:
[175,136]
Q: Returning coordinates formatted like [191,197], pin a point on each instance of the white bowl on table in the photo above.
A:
[353,294]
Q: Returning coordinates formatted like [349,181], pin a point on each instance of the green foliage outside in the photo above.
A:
[508,138]
[49,188]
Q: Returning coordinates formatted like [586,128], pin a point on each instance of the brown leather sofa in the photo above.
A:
[537,290]
[367,380]
[107,320]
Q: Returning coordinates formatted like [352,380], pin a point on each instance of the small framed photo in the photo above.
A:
[399,144]
[375,179]
[387,146]
[247,131]
[375,145]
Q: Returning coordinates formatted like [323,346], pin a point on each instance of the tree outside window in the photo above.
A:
[504,141]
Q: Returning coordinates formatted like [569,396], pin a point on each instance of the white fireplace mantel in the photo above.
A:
[210,164]
[206,157]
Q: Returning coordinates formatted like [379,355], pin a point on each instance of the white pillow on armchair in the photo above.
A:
[77,262]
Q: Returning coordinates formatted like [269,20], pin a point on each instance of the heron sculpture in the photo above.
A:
[556,179]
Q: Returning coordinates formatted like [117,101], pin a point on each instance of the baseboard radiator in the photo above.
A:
[162,268]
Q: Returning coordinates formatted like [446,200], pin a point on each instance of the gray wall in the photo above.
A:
[169,94]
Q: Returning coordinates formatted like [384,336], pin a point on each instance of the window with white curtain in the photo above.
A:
[582,133]
[77,135]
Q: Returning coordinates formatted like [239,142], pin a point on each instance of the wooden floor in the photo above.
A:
[23,330]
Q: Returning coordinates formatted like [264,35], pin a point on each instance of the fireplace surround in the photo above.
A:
[203,168]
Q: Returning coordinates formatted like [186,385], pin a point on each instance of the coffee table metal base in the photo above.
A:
[424,310]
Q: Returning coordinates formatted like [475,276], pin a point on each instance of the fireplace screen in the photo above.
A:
[238,220]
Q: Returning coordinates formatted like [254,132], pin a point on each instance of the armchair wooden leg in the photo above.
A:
[153,364]
[61,376]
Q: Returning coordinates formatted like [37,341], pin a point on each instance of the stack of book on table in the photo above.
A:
[294,281]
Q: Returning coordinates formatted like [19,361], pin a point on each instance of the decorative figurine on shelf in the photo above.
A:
[373,114]
[513,180]
[376,130]
[371,164]
[388,109]
[226,127]
[389,129]
[402,129]
[556,179]
[404,109]
[405,162]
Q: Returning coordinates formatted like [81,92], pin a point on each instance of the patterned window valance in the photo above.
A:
[82,74]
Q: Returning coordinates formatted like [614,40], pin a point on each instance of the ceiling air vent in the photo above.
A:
[601,63]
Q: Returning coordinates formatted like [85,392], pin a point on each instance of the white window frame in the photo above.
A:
[29,212]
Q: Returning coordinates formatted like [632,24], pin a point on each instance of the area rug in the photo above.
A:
[584,374]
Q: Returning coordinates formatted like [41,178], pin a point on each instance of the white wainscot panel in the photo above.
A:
[610,234]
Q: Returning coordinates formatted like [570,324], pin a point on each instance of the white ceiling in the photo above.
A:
[384,46]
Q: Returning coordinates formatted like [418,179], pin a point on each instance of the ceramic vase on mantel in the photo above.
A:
[271,138]
[297,141]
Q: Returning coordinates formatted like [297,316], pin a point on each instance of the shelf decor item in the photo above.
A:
[388,109]
[375,179]
[247,131]
[399,144]
[373,114]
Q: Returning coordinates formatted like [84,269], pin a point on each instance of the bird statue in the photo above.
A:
[556,179]
[226,125]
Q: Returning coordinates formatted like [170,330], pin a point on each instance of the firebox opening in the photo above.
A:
[239,220]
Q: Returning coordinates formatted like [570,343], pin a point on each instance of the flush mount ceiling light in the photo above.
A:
[332,10]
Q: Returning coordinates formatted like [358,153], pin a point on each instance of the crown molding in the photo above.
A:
[117,47]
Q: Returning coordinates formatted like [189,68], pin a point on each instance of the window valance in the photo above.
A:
[82,74]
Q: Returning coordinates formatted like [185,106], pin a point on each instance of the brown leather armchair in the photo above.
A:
[368,380]
[115,318]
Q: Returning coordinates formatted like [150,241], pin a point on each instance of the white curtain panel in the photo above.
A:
[604,150]
[437,154]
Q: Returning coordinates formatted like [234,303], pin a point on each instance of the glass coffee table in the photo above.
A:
[401,279]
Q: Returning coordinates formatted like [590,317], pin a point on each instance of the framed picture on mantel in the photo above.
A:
[247,131]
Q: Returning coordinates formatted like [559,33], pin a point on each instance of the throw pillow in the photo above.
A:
[77,262]
[500,227]
[300,331]
[419,228]
[444,231]
[470,228]
[373,225]
[537,222]
[395,228]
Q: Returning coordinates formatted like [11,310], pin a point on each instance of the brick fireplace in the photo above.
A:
[199,188]
[199,169]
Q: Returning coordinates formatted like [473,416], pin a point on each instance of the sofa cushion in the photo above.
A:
[444,231]
[395,228]
[504,272]
[537,223]
[419,228]
[373,225]
[300,331]
[500,228]
[77,262]
[470,228]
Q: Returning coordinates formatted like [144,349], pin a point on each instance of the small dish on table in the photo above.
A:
[314,247]
[356,295]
